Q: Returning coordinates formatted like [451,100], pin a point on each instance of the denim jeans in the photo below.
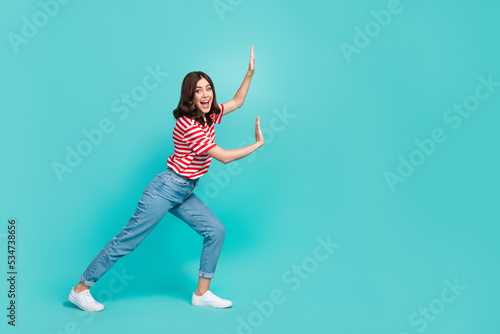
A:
[167,192]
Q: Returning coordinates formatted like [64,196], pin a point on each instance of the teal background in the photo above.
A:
[321,175]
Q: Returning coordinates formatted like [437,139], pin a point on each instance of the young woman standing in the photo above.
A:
[172,190]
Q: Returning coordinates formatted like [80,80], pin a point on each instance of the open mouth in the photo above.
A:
[205,104]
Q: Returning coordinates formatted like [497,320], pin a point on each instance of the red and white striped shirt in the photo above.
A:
[191,143]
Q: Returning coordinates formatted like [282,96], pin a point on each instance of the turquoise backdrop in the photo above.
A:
[372,208]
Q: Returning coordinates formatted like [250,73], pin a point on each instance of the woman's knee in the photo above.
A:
[219,231]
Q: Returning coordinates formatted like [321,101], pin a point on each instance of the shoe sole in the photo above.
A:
[208,304]
[81,308]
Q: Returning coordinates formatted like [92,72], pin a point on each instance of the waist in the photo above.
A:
[172,173]
[188,168]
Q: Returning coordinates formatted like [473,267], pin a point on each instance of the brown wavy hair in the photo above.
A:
[187,107]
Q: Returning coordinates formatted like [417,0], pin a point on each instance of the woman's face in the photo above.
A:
[203,96]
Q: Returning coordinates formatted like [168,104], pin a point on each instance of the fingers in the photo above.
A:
[251,66]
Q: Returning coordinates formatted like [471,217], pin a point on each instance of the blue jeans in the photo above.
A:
[167,192]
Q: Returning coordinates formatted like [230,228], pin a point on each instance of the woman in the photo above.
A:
[172,190]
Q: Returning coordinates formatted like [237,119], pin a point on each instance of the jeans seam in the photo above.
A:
[191,191]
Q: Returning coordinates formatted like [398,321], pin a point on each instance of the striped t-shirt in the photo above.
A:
[191,143]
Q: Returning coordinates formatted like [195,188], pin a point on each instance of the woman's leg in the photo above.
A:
[165,191]
[201,219]
[150,210]
[203,285]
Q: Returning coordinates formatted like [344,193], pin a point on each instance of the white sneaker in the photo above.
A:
[85,301]
[209,299]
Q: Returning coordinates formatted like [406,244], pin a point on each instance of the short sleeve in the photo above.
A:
[216,118]
[197,140]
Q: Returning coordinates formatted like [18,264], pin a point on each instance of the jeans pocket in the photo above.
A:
[179,180]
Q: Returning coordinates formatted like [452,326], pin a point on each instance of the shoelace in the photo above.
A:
[88,297]
[212,296]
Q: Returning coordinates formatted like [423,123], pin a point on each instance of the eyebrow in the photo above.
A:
[202,87]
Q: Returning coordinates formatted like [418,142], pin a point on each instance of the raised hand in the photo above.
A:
[251,66]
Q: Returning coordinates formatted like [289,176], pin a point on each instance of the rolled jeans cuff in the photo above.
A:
[87,283]
[206,275]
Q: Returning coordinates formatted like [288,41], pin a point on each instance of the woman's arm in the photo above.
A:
[226,156]
[241,94]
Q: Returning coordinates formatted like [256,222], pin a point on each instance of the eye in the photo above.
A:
[198,91]
[209,88]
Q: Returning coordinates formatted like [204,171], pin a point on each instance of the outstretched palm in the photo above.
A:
[258,132]
[251,67]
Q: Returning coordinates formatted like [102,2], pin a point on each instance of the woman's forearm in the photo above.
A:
[226,156]
[242,92]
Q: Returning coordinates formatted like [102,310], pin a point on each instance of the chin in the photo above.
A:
[204,111]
